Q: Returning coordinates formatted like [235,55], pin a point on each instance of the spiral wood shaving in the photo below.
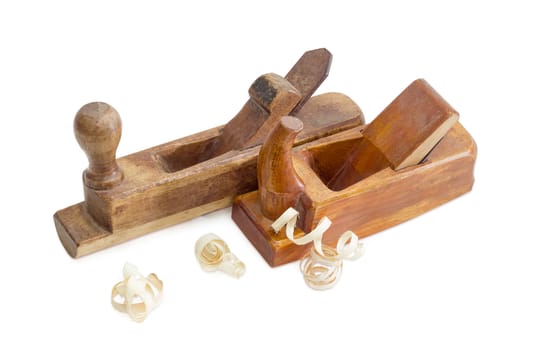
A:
[136,295]
[322,267]
[213,254]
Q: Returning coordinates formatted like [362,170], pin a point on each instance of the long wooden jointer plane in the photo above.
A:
[155,188]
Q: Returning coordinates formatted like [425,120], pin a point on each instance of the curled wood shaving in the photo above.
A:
[136,295]
[322,267]
[214,254]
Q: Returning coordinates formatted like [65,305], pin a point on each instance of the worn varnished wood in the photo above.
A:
[308,74]
[174,182]
[401,135]
[278,183]
[379,200]
[376,203]
[305,76]
[98,130]
[272,97]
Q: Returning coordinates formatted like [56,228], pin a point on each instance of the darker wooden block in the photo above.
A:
[384,191]
[401,135]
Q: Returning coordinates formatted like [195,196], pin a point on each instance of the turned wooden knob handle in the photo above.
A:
[97,127]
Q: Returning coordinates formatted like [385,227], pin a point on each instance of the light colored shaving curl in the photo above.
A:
[213,254]
[322,267]
[136,295]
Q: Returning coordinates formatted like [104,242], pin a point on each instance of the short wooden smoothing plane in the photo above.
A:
[176,181]
[413,157]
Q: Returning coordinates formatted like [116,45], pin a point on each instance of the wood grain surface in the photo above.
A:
[401,135]
[176,181]
[374,204]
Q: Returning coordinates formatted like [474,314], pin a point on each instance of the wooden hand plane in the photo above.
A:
[413,157]
[176,181]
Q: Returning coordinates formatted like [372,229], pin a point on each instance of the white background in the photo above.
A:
[459,277]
